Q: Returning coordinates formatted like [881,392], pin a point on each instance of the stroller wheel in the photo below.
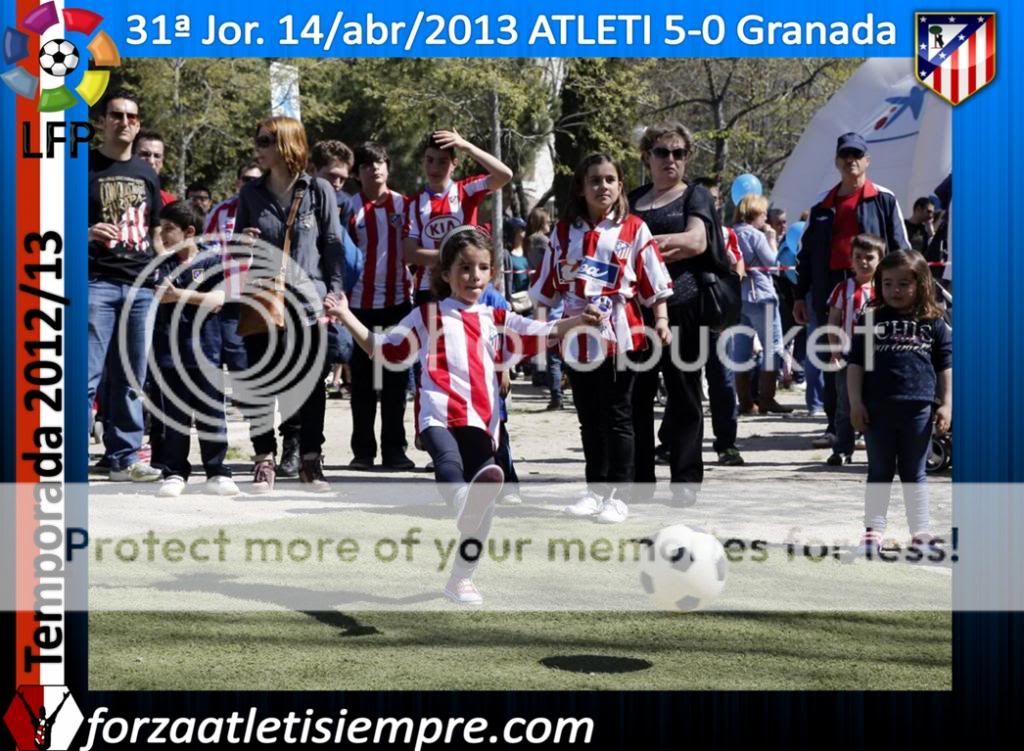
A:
[941,455]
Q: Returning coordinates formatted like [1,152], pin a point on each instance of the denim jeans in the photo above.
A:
[845,438]
[722,397]
[108,305]
[814,379]
[762,317]
[899,438]
[554,373]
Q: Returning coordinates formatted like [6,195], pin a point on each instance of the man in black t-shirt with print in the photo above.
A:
[124,207]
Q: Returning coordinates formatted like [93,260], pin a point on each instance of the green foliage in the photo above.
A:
[746,114]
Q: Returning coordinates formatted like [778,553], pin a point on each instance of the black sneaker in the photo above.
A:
[838,460]
[363,463]
[290,459]
[555,403]
[730,457]
[398,463]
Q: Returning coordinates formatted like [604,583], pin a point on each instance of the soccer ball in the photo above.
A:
[58,57]
[683,569]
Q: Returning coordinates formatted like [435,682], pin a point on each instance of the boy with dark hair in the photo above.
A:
[200,196]
[847,302]
[445,203]
[186,351]
[379,299]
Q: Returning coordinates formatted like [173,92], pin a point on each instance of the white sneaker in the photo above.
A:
[588,505]
[138,472]
[171,487]
[221,485]
[463,591]
[478,499]
[613,511]
[511,499]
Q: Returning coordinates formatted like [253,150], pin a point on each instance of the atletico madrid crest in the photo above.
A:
[956,52]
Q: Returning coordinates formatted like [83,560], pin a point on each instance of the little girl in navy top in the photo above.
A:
[459,343]
[898,372]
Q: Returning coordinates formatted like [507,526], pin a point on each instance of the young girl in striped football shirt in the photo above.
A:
[601,254]
[461,346]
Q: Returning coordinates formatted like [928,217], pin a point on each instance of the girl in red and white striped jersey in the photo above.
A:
[461,346]
[445,203]
[601,254]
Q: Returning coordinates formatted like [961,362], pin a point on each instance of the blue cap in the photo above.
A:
[854,141]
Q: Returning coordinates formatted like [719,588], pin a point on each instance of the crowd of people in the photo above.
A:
[383,294]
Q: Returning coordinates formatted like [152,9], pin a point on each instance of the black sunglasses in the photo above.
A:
[850,154]
[248,179]
[662,153]
[265,139]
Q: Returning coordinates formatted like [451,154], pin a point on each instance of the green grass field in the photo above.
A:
[488,650]
[332,625]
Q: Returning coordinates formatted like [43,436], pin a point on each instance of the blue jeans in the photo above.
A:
[899,438]
[814,379]
[762,317]
[554,368]
[108,302]
[722,397]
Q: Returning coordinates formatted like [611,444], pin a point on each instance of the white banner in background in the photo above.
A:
[909,132]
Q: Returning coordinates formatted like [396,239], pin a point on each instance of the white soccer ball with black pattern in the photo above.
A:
[683,569]
[58,57]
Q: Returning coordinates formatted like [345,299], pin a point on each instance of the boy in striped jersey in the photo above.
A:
[848,300]
[379,299]
[445,203]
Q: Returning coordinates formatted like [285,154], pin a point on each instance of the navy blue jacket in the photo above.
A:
[878,213]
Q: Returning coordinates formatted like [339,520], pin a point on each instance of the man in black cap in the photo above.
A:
[853,206]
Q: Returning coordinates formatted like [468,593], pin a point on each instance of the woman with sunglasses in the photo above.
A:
[684,221]
[315,267]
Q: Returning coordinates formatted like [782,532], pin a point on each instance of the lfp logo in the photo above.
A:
[59,58]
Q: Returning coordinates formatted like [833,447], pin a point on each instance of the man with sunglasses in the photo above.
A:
[124,209]
[854,206]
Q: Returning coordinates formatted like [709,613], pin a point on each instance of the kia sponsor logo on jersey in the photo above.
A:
[439,227]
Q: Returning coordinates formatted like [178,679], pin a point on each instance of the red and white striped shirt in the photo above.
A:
[616,260]
[377,230]
[433,215]
[851,299]
[458,347]
[732,244]
[221,222]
